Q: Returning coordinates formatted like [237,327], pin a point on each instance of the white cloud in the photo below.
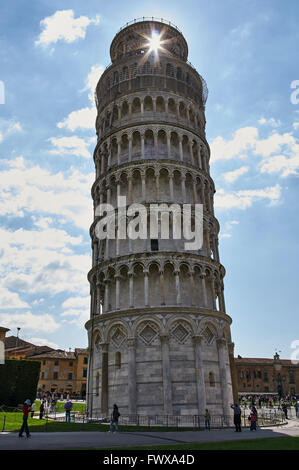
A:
[70,146]
[245,198]
[279,153]
[10,300]
[270,122]
[296,125]
[42,342]
[243,140]
[77,302]
[30,188]
[85,118]
[28,321]
[92,80]
[63,25]
[82,118]
[232,176]
[8,127]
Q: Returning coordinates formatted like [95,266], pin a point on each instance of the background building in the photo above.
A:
[258,376]
[159,335]
[61,371]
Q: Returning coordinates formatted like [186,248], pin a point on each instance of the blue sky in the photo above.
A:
[51,56]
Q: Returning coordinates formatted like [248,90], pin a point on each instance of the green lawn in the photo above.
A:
[13,422]
[275,443]
[60,406]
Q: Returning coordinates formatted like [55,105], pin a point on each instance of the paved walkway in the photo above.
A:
[63,440]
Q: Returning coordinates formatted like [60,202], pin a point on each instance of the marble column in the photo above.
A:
[130,148]
[162,291]
[171,187]
[132,388]
[192,288]
[204,289]
[222,354]
[131,289]
[143,187]
[142,147]
[181,147]
[146,289]
[117,284]
[104,385]
[167,392]
[168,144]
[183,187]
[118,151]
[106,295]
[199,374]
[233,371]
[177,287]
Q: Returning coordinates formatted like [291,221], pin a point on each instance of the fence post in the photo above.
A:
[4,419]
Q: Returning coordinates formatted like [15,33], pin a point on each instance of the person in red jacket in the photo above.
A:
[26,409]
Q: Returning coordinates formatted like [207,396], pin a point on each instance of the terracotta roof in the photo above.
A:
[81,350]
[55,354]
[258,360]
[12,341]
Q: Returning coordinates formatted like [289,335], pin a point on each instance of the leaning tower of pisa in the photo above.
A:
[159,335]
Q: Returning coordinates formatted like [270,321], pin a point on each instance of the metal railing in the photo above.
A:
[150,18]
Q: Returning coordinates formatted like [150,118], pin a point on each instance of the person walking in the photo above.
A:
[114,418]
[68,406]
[26,409]
[296,406]
[285,410]
[41,410]
[252,420]
[237,417]
[207,420]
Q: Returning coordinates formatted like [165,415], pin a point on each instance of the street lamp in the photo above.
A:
[17,341]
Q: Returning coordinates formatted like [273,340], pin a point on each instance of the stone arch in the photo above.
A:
[171,106]
[136,105]
[154,283]
[148,104]
[162,143]
[148,331]
[149,144]
[117,334]
[208,330]
[123,286]
[182,110]
[160,104]
[170,290]
[138,297]
[174,146]
[124,109]
[136,145]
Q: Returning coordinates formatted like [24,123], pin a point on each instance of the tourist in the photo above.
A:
[296,406]
[41,410]
[207,420]
[285,410]
[32,409]
[68,406]
[237,417]
[251,418]
[26,409]
[114,418]
[255,415]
